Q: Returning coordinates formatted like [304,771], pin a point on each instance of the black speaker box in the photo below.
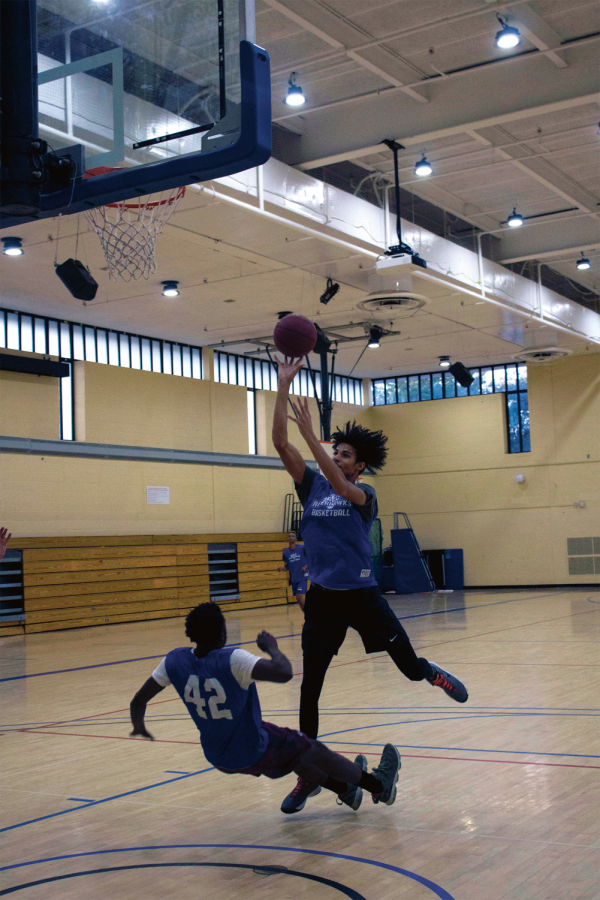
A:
[462,374]
[77,279]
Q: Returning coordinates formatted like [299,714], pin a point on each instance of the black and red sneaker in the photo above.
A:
[450,684]
[297,798]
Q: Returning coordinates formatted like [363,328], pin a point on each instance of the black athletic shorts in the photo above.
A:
[329,614]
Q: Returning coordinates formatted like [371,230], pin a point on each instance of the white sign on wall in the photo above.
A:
[157,494]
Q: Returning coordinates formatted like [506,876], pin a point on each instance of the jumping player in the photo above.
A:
[338,514]
[295,562]
[217,686]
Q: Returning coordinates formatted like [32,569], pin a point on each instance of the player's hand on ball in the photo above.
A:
[141,732]
[287,370]
[266,642]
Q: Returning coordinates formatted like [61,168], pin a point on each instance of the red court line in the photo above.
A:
[383,655]
[108,737]
[508,762]
[97,715]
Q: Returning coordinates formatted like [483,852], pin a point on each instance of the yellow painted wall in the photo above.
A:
[148,409]
[55,495]
[341,413]
[29,404]
[449,469]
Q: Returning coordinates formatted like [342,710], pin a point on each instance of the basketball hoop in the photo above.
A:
[128,231]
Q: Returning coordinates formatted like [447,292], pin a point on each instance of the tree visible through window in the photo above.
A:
[509,379]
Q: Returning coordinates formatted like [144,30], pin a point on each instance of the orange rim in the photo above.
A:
[121,204]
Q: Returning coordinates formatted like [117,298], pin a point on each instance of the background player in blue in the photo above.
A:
[338,514]
[217,686]
[296,563]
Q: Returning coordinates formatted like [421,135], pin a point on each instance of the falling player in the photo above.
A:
[295,562]
[217,685]
[338,514]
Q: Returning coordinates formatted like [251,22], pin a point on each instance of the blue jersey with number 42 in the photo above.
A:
[227,716]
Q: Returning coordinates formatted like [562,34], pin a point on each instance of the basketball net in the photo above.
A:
[128,231]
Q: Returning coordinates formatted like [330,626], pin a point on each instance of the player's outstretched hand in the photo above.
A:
[288,370]
[141,732]
[302,417]
[266,642]
[4,539]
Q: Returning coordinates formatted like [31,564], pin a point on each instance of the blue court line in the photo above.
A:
[435,888]
[86,805]
[120,662]
[81,800]
[450,713]
[175,772]
[470,749]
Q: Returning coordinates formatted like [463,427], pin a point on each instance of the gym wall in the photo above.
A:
[52,495]
[450,471]
[28,403]
[449,468]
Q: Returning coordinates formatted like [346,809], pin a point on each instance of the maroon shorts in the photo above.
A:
[284,752]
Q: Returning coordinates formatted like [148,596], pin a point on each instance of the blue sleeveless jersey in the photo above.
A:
[336,534]
[227,716]
[294,560]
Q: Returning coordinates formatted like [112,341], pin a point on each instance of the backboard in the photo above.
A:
[169,91]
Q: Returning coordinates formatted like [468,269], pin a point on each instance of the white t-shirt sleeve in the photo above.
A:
[160,674]
[242,663]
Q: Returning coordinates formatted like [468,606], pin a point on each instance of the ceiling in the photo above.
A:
[501,128]
[518,128]
[238,268]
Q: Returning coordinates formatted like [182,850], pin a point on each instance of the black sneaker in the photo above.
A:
[387,773]
[353,796]
[450,684]
[297,798]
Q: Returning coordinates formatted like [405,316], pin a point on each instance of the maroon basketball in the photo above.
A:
[295,336]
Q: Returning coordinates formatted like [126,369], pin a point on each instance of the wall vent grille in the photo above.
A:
[584,555]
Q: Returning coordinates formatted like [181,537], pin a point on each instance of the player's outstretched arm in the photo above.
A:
[334,476]
[278,668]
[290,455]
[4,539]
[137,707]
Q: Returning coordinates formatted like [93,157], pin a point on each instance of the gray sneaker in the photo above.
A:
[297,798]
[353,796]
[387,773]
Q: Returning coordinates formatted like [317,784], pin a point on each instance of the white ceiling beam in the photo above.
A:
[459,128]
[541,35]
[547,174]
[320,22]
[557,255]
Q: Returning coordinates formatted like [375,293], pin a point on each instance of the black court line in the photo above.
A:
[258,868]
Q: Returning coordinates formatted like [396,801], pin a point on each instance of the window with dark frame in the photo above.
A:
[71,341]
[261,375]
[509,379]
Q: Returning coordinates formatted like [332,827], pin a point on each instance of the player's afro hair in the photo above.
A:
[370,446]
[204,624]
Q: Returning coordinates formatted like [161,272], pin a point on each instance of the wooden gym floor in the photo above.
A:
[497,799]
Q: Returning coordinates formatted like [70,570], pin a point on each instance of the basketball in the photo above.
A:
[295,336]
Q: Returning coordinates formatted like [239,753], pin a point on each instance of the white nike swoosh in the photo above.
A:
[394,638]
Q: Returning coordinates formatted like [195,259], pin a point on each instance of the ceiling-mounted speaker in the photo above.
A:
[77,279]
[462,374]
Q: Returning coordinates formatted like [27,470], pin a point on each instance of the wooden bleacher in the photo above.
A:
[75,582]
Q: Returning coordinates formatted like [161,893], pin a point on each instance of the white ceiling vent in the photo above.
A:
[542,354]
[391,302]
